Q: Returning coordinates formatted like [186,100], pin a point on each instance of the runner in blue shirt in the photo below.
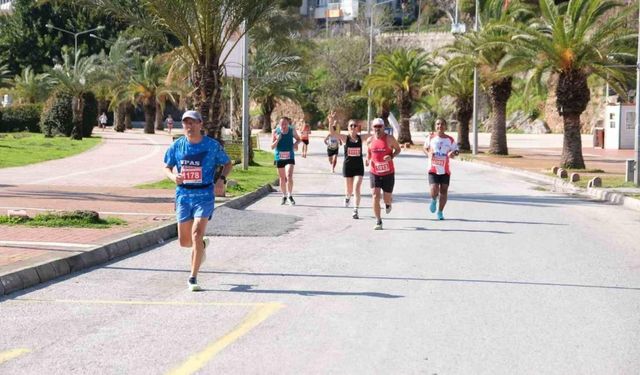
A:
[195,158]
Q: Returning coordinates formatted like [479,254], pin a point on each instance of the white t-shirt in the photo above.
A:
[441,146]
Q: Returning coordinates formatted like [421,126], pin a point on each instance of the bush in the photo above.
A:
[57,116]
[20,118]
[90,114]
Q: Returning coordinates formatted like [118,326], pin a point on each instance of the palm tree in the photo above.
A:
[404,72]
[204,28]
[488,50]
[117,69]
[29,87]
[75,80]
[274,76]
[575,40]
[457,84]
[147,88]
[4,75]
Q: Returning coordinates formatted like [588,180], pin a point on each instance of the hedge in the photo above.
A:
[20,118]
[57,116]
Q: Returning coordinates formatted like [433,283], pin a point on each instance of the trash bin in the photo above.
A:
[598,137]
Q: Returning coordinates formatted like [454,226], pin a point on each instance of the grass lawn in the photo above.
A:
[611,181]
[58,221]
[18,149]
[263,172]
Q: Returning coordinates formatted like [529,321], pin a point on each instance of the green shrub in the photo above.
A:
[20,118]
[90,114]
[57,116]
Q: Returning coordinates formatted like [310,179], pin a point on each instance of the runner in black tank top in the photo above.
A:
[353,166]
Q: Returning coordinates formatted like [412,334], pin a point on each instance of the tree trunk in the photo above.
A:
[128,110]
[77,104]
[149,108]
[159,123]
[118,118]
[465,112]
[405,115]
[499,93]
[572,97]
[572,143]
[207,96]
[267,109]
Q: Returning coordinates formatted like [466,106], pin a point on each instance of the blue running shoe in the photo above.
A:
[440,215]
[432,206]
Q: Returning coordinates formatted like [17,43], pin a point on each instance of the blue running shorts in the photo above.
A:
[188,209]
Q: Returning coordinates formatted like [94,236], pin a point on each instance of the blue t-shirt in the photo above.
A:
[197,164]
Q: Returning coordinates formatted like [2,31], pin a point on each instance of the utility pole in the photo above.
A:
[475,92]
[246,130]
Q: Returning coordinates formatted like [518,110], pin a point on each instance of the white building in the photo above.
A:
[6,6]
[342,10]
[619,126]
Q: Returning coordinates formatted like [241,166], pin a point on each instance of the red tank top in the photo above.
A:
[379,149]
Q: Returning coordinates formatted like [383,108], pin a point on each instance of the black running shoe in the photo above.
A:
[284,201]
[293,202]
[355,214]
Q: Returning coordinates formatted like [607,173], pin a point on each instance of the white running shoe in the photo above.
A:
[193,285]
[387,209]
[378,225]
[346,202]
[206,241]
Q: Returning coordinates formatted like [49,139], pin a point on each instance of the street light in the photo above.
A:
[75,37]
[474,148]
[94,36]
[372,8]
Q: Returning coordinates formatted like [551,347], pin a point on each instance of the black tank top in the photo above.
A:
[353,152]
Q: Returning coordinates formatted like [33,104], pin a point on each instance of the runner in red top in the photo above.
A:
[305,132]
[382,148]
[440,148]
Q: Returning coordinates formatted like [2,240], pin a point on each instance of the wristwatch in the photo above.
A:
[223,178]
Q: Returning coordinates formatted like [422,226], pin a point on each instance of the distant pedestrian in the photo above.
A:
[169,123]
[195,158]
[305,133]
[102,121]
[440,148]
[332,140]
[284,142]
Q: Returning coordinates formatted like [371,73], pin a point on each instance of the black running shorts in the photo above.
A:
[440,179]
[282,163]
[385,182]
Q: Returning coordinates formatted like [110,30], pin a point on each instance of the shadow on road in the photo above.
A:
[244,288]
[374,277]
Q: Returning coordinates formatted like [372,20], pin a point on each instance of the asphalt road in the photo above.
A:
[516,280]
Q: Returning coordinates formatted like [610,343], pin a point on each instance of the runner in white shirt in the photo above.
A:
[439,148]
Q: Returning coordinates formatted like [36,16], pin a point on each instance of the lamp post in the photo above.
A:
[474,148]
[75,37]
[636,178]
[372,8]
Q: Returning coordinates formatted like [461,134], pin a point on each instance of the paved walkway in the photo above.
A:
[102,180]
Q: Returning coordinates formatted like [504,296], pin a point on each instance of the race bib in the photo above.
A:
[383,166]
[438,161]
[353,151]
[191,175]
[285,155]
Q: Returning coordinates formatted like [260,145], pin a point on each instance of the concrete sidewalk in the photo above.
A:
[101,180]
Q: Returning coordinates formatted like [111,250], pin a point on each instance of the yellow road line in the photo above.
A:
[198,360]
[133,302]
[259,314]
[11,354]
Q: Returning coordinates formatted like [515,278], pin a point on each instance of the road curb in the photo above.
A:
[562,186]
[46,271]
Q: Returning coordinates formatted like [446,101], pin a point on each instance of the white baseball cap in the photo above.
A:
[377,121]
[192,115]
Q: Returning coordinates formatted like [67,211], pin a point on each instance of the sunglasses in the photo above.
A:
[353,126]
